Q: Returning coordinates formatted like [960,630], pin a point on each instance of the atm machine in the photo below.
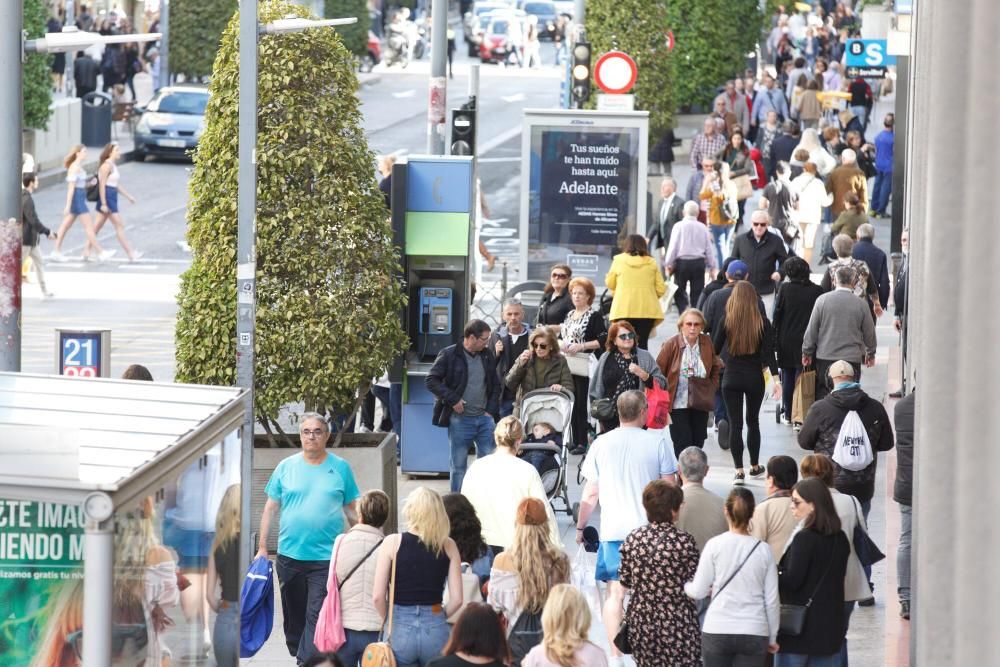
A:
[432,199]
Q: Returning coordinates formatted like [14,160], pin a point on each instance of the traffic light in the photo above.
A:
[463,129]
[580,74]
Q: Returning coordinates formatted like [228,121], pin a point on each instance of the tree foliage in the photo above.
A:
[327,298]
[37,84]
[355,37]
[713,38]
[639,28]
[195,29]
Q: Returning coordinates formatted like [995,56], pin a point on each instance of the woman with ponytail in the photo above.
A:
[497,483]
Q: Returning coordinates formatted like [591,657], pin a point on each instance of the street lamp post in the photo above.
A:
[246,237]
[12,52]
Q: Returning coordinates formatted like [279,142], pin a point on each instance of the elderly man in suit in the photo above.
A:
[670,211]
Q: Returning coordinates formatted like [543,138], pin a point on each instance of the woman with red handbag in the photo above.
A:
[692,368]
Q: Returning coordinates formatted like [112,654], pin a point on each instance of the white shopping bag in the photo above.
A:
[853,449]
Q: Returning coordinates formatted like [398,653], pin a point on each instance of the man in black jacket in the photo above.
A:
[508,342]
[763,252]
[85,71]
[822,426]
[902,493]
[465,382]
[784,144]
[31,230]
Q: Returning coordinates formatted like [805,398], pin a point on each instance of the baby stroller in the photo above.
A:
[554,408]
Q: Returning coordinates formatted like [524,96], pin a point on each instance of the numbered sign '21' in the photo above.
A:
[83,353]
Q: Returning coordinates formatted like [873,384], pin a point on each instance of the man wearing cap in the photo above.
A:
[840,327]
[822,425]
[617,468]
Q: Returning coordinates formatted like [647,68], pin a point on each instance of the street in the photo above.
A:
[136,300]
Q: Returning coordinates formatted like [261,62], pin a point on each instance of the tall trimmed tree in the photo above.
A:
[327,298]
[639,28]
[713,40]
[37,84]
[195,29]
[355,36]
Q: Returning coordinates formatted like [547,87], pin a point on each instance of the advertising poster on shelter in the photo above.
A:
[583,196]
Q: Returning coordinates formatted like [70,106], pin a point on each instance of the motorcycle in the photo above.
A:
[397,47]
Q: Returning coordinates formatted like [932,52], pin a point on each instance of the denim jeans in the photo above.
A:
[881,191]
[903,552]
[303,589]
[419,633]
[722,236]
[803,660]
[226,636]
[350,653]
[396,412]
[733,650]
[462,432]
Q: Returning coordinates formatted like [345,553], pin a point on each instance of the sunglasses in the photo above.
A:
[560,276]
[539,346]
[759,224]
[626,336]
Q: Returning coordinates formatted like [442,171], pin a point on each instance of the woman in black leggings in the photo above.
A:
[745,340]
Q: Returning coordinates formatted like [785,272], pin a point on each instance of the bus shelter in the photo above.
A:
[114,495]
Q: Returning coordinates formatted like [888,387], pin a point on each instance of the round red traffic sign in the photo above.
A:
[615,72]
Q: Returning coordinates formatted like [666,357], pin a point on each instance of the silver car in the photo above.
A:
[172,122]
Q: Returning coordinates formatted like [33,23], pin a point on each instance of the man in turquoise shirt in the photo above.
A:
[314,491]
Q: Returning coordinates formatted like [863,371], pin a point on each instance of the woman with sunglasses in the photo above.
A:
[811,572]
[583,334]
[541,366]
[556,302]
[745,341]
[625,366]
[692,368]
[637,283]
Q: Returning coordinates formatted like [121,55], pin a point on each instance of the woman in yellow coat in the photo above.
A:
[637,284]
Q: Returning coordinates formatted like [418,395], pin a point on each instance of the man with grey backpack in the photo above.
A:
[851,428]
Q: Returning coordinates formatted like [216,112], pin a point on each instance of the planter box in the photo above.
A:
[372,457]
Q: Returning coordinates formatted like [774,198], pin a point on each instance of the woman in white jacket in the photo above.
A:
[856,588]
[818,155]
[813,198]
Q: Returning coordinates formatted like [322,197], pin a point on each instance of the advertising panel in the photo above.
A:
[583,189]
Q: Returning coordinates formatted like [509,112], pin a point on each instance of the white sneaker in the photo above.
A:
[57,256]
[137,255]
[47,295]
[89,258]
[106,255]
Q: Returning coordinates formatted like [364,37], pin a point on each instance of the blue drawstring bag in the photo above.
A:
[256,607]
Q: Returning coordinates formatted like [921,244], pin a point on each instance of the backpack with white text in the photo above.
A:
[853,450]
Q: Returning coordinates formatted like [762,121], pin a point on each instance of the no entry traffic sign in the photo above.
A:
[615,72]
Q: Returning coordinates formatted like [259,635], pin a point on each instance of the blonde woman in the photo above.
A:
[566,624]
[522,576]
[425,558]
[224,574]
[108,190]
[76,207]
[496,484]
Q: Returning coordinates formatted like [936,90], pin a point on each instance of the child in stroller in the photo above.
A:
[544,458]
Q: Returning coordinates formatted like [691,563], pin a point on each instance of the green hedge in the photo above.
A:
[195,29]
[328,302]
[37,83]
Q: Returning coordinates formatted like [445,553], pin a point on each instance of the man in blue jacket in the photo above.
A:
[883,167]
[467,387]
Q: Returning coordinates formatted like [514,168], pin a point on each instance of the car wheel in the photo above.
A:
[473,50]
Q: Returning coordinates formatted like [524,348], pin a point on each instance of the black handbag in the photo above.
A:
[603,409]
[865,548]
[93,193]
[793,616]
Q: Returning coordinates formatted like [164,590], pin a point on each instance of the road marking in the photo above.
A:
[138,267]
[513,158]
[516,97]
[499,140]
[406,93]
[163,214]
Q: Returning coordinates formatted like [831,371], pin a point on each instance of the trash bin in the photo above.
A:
[96,115]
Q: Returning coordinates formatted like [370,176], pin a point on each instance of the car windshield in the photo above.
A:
[191,104]
[499,28]
[540,8]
